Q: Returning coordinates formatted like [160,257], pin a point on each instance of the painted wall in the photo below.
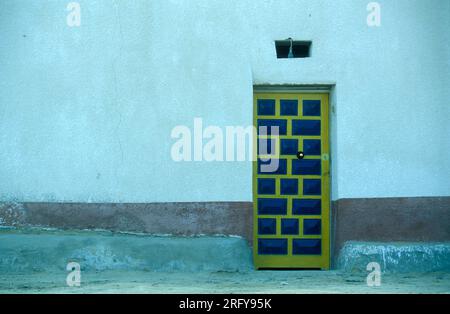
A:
[86,112]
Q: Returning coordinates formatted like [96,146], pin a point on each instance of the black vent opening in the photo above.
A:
[300,49]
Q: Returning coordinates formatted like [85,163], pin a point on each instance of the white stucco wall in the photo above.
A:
[86,113]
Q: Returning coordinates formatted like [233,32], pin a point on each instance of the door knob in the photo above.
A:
[300,155]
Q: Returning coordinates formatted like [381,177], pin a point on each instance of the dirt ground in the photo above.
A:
[272,282]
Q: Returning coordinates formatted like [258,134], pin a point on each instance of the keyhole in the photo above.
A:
[300,155]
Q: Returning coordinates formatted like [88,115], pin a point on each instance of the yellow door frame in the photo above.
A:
[290,260]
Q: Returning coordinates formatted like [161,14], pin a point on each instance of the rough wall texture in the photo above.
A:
[182,219]
[374,220]
[395,257]
[422,219]
[32,251]
[86,112]
[51,251]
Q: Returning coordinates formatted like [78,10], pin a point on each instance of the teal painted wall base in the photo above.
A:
[50,251]
[43,250]
[395,257]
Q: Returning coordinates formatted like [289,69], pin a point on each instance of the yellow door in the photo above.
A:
[291,181]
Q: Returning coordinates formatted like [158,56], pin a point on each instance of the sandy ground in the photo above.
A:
[223,282]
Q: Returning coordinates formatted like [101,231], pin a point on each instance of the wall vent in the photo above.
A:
[287,49]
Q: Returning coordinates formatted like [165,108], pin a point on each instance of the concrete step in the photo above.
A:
[38,250]
[395,257]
